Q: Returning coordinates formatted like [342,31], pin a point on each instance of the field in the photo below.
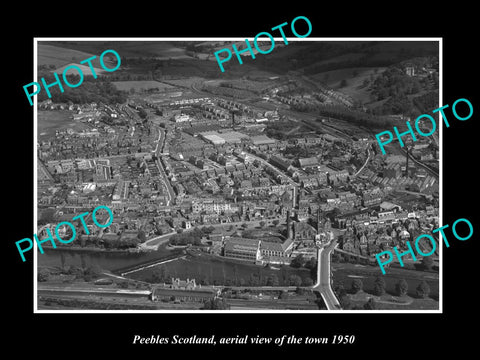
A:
[84,68]
[354,78]
[59,56]
[49,121]
[342,274]
[140,85]
[158,49]
[338,59]
[216,270]
[188,82]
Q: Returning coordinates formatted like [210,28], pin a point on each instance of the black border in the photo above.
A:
[375,333]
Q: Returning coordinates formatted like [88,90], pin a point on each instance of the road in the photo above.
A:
[366,162]
[165,181]
[324,276]
[279,172]
[156,243]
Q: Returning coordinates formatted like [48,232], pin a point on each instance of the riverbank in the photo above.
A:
[100,250]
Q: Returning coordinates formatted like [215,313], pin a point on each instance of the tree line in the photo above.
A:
[422,291]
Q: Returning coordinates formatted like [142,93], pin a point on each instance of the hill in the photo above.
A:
[85,69]
[58,56]
[157,49]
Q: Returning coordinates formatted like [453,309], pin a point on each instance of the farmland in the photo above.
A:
[160,50]
[141,85]
[84,68]
[59,56]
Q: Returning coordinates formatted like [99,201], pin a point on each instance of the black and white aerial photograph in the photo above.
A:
[207,175]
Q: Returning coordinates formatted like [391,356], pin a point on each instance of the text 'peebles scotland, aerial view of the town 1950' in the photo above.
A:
[258,188]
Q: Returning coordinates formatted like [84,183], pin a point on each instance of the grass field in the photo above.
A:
[59,56]
[159,49]
[85,69]
[139,85]
[342,273]
[49,121]
[354,77]
[214,268]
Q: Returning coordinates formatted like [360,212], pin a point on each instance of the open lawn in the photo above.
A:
[50,121]
[58,56]
[159,49]
[354,77]
[217,270]
[84,68]
[140,85]
[344,273]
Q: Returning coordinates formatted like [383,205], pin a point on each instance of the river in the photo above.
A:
[106,260]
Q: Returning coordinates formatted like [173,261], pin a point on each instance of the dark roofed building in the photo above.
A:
[261,140]
[279,162]
[183,291]
[308,162]
[276,248]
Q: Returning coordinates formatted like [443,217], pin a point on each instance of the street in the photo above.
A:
[323,277]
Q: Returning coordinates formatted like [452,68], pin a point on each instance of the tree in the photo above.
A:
[216,304]
[298,261]
[42,275]
[295,280]
[343,83]
[311,264]
[276,222]
[357,285]
[342,296]
[379,287]
[272,280]
[262,223]
[307,281]
[340,290]
[345,302]
[427,263]
[401,287]
[141,236]
[92,272]
[205,281]
[423,290]
[254,280]
[75,270]
[370,304]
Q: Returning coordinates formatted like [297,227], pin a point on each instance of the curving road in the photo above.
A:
[366,162]
[323,277]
